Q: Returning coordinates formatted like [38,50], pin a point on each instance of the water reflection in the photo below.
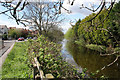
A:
[91,60]
[68,57]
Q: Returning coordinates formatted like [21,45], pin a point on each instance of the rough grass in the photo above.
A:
[16,64]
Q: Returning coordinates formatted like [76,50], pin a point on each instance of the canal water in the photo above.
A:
[82,57]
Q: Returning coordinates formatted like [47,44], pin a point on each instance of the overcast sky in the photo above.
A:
[76,14]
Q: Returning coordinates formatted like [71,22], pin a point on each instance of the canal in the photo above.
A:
[82,57]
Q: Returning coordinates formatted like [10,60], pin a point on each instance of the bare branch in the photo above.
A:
[6,11]
[14,13]
[111,63]
[109,54]
[72,2]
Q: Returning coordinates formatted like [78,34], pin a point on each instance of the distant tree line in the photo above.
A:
[16,33]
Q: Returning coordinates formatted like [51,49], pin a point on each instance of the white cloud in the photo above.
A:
[78,3]
[65,27]
[76,7]
[11,23]
[76,10]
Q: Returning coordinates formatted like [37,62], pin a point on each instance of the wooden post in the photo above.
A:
[36,65]
[33,73]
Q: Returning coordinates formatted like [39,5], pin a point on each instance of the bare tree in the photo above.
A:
[13,9]
[43,15]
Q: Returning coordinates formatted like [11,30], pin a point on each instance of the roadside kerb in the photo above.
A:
[4,56]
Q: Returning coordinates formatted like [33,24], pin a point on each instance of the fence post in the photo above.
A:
[36,65]
[33,73]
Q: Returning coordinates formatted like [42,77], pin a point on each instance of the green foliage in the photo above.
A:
[16,64]
[96,47]
[29,35]
[50,59]
[16,33]
[4,36]
[55,35]
[69,34]
[81,42]
[115,22]
[117,49]
[97,31]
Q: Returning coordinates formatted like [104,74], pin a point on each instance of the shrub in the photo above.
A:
[50,59]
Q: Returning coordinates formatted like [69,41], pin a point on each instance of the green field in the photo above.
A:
[16,63]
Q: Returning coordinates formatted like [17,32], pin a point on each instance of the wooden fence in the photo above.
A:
[38,73]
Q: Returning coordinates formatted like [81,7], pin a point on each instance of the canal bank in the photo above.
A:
[82,57]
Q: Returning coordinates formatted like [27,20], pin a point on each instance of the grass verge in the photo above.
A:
[16,63]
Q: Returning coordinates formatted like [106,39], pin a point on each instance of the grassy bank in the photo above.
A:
[99,48]
[95,47]
[16,64]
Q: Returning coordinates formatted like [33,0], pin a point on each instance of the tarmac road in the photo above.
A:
[5,51]
[7,44]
